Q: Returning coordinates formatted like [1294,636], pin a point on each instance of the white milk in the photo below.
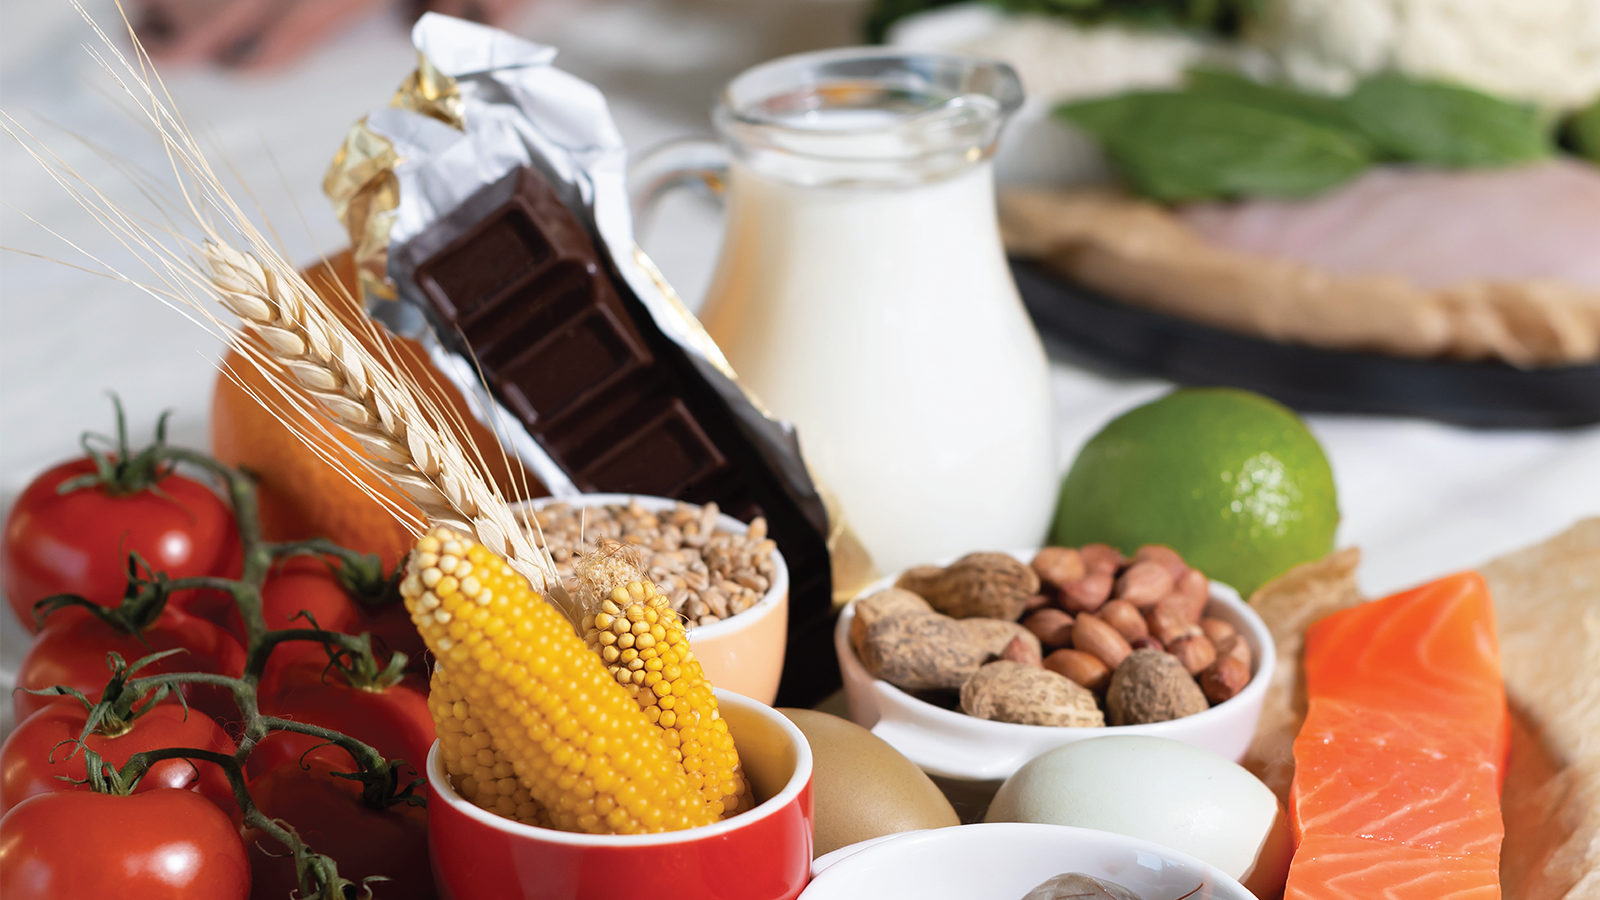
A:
[884,323]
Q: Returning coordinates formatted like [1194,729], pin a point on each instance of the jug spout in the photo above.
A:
[867,116]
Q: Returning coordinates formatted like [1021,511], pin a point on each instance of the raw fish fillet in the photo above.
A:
[1432,650]
[1352,868]
[1399,763]
[1433,228]
[1361,752]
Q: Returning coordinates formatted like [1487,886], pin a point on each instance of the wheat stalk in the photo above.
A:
[405,435]
[382,411]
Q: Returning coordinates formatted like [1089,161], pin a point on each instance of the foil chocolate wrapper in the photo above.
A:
[510,246]
[361,182]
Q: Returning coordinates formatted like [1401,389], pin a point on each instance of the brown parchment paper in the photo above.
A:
[1547,602]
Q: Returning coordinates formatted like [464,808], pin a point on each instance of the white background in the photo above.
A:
[1421,499]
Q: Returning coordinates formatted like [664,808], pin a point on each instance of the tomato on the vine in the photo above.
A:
[329,815]
[306,583]
[393,720]
[78,542]
[393,627]
[72,650]
[35,756]
[161,845]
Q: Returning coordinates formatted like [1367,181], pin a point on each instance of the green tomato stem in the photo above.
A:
[361,574]
[318,875]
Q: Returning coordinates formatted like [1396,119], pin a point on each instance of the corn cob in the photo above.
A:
[634,630]
[574,739]
[480,771]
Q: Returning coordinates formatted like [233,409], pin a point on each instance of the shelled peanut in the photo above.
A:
[1117,605]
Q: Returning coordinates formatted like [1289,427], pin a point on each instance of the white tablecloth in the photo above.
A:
[1421,499]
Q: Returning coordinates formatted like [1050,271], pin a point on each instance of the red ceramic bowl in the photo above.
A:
[763,854]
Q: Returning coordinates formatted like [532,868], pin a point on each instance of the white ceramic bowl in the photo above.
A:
[1005,860]
[744,652]
[955,746]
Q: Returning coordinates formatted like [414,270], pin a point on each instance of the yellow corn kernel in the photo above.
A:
[662,674]
[574,739]
[462,736]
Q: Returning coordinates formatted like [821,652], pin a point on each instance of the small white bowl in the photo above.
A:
[744,652]
[958,747]
[1005,860]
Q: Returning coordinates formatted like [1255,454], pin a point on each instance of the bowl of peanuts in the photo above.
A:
[726,578]
[974,667]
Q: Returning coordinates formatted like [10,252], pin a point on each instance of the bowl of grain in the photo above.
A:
[725,577]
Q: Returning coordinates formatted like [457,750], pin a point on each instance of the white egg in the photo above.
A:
[1161,790]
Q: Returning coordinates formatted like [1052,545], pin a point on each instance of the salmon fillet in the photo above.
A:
[1352,868]
[1398,766]
[1431,650]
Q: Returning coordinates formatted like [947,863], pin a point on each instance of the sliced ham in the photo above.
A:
[1433,228]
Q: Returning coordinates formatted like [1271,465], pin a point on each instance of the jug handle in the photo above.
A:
[695,163]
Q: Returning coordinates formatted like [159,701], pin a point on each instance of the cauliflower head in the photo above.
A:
[1545,52]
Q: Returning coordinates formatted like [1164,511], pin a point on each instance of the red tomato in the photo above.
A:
[394,721]
[392,626]
[217,607]
[73,646]
[35,754]
[162,845]
[77,543]
[306,583]
[329,816]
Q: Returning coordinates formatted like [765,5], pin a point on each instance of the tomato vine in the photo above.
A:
[127,696]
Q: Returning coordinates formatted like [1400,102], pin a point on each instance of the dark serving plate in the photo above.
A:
[1311,379]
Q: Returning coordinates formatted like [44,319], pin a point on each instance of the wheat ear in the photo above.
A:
[406,437]
[383,412]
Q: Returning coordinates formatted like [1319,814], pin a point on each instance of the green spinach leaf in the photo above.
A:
[1224,17]
[1445,125]
[1191,146]
[1329,112]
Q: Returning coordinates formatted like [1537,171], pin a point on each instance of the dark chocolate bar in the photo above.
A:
[513,278]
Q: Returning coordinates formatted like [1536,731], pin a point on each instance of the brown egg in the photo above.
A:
[863,787]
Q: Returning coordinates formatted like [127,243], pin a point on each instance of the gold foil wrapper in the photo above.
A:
[365,193]
[432,93]
[361,182]
[852,566]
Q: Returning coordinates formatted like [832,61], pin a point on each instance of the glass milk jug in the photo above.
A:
[863,294]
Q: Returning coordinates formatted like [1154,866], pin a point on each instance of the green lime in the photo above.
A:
[1231,480]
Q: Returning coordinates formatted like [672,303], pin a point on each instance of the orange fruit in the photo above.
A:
[301,495]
